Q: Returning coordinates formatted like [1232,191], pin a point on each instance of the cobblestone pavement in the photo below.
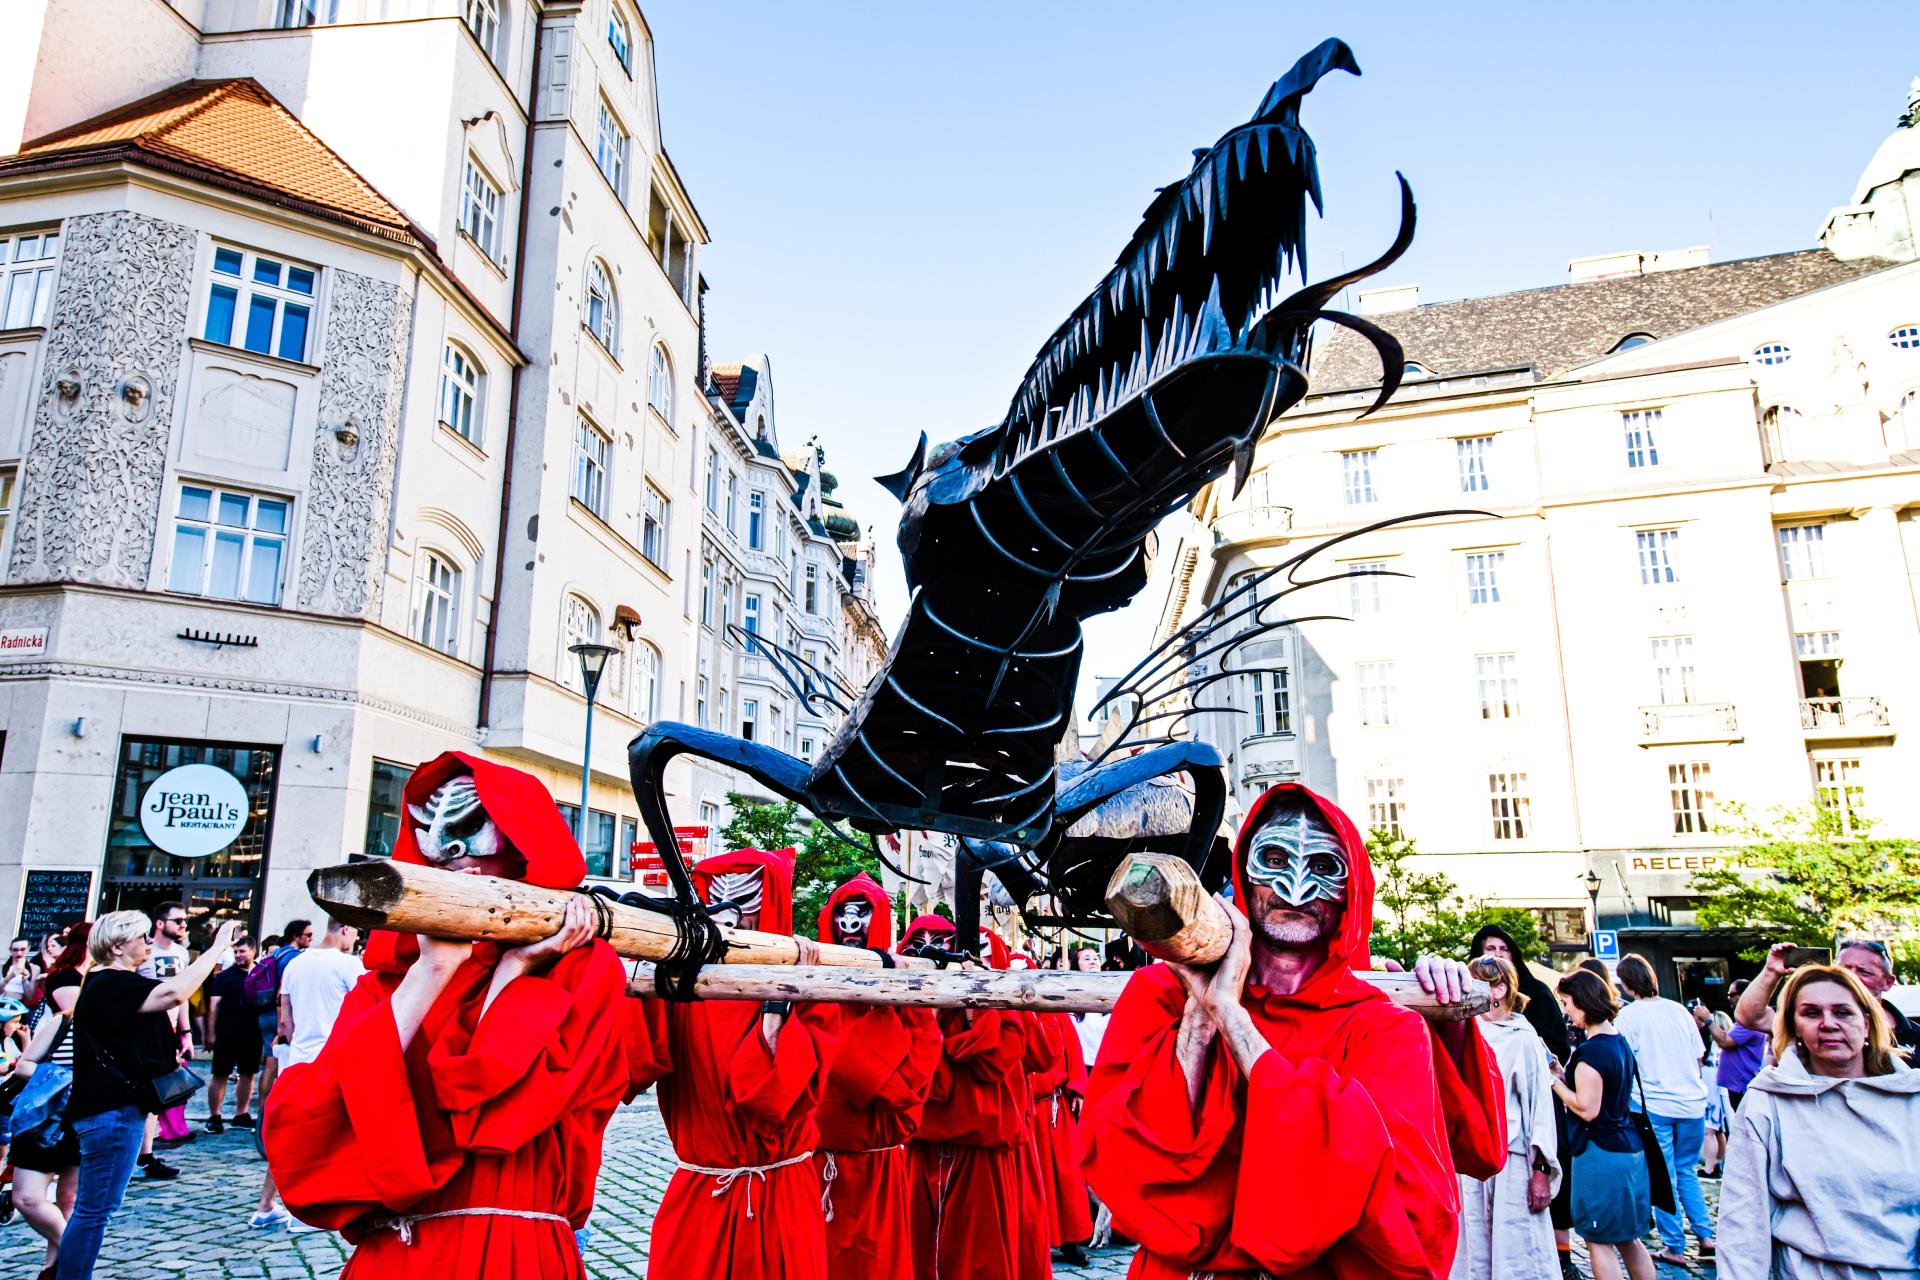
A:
[194,1228]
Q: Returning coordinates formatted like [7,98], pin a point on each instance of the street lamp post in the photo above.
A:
[593,664]
[1592,879]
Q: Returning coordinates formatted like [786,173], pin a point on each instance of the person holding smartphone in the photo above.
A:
[1865,958]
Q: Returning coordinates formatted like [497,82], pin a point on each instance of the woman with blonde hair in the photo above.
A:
[1505,1230]
[1823,1175]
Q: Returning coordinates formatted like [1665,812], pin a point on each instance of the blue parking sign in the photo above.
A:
[1606,944]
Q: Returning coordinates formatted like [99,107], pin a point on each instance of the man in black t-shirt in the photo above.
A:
[234,1039]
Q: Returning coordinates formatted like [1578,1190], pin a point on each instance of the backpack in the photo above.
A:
[263,980]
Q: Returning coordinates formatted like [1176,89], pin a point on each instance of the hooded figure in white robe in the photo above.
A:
[1822,1179]
[1500,1237]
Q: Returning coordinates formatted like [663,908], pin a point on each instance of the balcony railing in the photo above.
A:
[1689,722]
[1245,524]
[1844,715]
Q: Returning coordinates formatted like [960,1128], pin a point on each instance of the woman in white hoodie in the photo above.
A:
[1822,1178]
[1506,1232]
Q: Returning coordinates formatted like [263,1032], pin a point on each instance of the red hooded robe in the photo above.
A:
[1332,1160]
[1055,1090]
[501,1112]
[967,1189]
[731,1103]
[870,1107]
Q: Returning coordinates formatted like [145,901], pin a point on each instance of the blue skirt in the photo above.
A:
[1611,1200]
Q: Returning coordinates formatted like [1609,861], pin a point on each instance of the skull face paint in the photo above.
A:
[850,921]
[1298,858]
[455,824]
[733,898]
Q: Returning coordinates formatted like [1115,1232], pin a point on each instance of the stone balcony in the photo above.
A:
[1830,718]
[1251,524]
[1684,722]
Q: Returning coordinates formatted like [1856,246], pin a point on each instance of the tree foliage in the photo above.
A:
[1418,912]
[826,862]
[1809,875]
[822,861]
[760,824]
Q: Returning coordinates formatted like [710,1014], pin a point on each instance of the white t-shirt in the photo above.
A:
[1092,1028]
[315,983]
[1666,1042]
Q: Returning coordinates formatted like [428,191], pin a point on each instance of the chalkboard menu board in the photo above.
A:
[53,899]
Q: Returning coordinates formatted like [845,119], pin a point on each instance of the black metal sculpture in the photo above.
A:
[1166,375]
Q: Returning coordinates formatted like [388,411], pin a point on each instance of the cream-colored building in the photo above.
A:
[1687,575]
[329,419]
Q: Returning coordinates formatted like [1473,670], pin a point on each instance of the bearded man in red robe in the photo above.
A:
[968,1197]
[451,1126]
[1276,1115]
[871,1104]
[739,1085]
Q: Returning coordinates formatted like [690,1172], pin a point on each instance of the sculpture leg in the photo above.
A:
[647,759]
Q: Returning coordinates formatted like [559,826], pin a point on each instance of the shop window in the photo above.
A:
[596,842]
[385,816]
[224,883]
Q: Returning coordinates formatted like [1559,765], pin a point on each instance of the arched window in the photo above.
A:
[1632,340]
[483,19]
[603,307]
[1772,353]
[660,384]
[461,382]
[579,624]
[436,602]
[646,682]
[1906,337]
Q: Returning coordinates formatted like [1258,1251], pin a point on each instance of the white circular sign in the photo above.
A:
[194,810]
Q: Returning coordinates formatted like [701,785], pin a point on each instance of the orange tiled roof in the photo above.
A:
[233,132]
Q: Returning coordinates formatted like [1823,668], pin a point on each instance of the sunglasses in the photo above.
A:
[1874,945]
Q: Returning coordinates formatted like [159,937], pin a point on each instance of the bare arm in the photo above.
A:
[1721,1038]
[174,992]
[1588,1091]
[1213,1008]
[1755,1010]
[42,1045]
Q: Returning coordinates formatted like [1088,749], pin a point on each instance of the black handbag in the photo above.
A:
[1659,1177]
[152,1093]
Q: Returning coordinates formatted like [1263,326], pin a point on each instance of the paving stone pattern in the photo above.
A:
[194,1228]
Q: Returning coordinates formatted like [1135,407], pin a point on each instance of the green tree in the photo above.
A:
[1808,875]
[759,824]
[825,863]
[1418,912]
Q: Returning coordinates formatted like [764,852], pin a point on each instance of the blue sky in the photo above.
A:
[905,198]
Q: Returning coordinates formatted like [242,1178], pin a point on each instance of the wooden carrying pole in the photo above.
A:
[1041,990]
[450,904]
[758,966]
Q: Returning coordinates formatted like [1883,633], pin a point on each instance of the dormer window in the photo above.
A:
[1631,341]
[1771,353]
[1414,369]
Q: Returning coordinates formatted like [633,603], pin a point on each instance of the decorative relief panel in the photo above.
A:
[243,417]
[90,485]
[363,369]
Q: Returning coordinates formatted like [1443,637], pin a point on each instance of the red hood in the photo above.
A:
[879,928]
[999,954]
[776,887]
[519,805]
[938,925]
[1334,984]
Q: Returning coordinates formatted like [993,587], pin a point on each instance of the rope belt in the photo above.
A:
[405,1222]
[831,1170]
[727,1177]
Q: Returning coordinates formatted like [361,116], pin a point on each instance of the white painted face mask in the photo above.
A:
[732,896]
[850,920]
[454,824]
[1297,856]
